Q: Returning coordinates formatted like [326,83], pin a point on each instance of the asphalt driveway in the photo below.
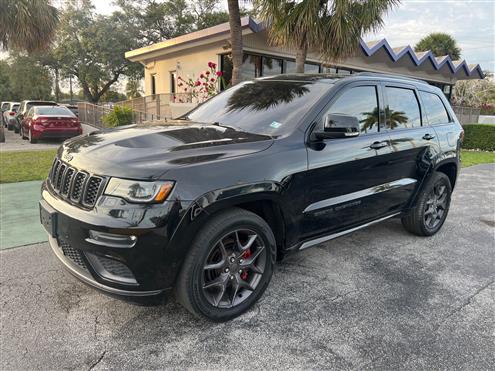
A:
[379,298]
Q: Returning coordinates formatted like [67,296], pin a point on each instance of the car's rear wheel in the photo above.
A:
[432,207]
[23,135]
[229,266]
[10,127]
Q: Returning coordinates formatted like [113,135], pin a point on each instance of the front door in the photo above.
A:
[347,176]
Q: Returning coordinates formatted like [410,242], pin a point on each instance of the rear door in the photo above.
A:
[413,140]
[345,175]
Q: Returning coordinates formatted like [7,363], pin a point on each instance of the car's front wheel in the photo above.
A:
[432,207]
[229,266]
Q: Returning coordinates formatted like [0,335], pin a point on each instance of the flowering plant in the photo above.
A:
[205,86]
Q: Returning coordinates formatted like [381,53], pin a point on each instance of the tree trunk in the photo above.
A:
[235,39]
[57,85]
[301,53]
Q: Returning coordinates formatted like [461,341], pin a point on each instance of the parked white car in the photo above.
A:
[9,110]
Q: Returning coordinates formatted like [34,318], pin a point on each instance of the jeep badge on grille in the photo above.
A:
[67,157]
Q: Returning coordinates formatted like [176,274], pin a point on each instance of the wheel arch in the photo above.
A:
[449,168]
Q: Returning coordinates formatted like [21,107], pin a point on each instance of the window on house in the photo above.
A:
[173,82]
[153,84]
[226,67]
[272,66]
[251,66]
[311,68]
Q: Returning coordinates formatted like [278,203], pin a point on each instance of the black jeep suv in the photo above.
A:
[205,205]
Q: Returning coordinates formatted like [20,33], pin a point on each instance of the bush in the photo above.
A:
[478,136]
[119,116]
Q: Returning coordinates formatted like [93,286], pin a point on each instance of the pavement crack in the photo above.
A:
[98,360]
[467,301]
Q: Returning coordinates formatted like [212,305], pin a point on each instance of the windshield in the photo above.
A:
[266,107]
[53,111]
[15,107]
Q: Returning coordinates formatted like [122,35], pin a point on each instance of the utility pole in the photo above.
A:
[70,88]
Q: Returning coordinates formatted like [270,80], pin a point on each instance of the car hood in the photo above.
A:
[148,152]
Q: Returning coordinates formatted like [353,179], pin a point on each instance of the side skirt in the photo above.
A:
[329,237]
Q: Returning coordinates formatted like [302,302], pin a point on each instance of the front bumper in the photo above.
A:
[84,275]
[148,268]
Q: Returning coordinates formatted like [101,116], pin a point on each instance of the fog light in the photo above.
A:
[111,239]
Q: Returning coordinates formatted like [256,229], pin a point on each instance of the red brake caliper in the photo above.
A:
[245,255]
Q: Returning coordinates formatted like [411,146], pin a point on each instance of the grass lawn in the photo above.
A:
[25,165]
[470,158]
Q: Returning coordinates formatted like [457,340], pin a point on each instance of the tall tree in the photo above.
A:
[91,47]
[27,24]
[29,79]
[235,39]
[330,27]
[440,44]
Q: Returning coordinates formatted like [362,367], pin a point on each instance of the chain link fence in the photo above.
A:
[467,115]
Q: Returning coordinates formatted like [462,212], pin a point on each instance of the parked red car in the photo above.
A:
[44,122]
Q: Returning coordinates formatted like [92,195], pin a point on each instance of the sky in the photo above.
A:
[471,23]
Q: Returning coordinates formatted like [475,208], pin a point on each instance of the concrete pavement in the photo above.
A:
[377,299]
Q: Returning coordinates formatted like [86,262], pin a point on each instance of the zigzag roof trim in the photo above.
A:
[419,58]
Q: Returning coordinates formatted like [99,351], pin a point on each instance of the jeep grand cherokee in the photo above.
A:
[207,204]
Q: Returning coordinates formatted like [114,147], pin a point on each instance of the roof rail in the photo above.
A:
[390,75]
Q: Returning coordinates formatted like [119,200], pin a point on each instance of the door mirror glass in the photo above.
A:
[339,126]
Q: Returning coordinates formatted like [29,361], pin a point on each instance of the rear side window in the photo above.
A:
[403,109]
[361,102]
[434,108]
[15,108]
[5,106]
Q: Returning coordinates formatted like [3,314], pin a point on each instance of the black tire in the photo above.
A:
[23,136]
[16,130]
[421,221]
[10,127]
[191,289]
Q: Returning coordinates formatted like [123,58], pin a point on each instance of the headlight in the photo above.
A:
[139,191]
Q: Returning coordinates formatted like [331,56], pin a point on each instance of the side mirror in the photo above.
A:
[339,126]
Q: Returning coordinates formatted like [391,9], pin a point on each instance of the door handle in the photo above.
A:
[428,137]
[378,145]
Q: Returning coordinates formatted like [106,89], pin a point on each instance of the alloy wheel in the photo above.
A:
[436,205]
[234,268]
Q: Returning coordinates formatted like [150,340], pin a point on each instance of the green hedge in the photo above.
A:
[478,136]
[119,116]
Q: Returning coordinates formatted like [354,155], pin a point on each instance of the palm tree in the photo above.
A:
[331,27]
[235,40]
[27,24]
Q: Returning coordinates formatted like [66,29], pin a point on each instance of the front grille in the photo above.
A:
[92,190]
[75,185]
[71,253]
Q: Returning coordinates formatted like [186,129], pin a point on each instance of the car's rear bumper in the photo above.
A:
[54,133]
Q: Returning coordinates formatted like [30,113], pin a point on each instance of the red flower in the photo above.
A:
[212,79]
[179,78]
[205,83]
[212,65]
[202,76]
[207,72]
[180,84]
[219,73]
[197,83]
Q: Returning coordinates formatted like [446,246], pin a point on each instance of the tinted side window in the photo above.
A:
[435,110]
[361,102]
[403,109]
